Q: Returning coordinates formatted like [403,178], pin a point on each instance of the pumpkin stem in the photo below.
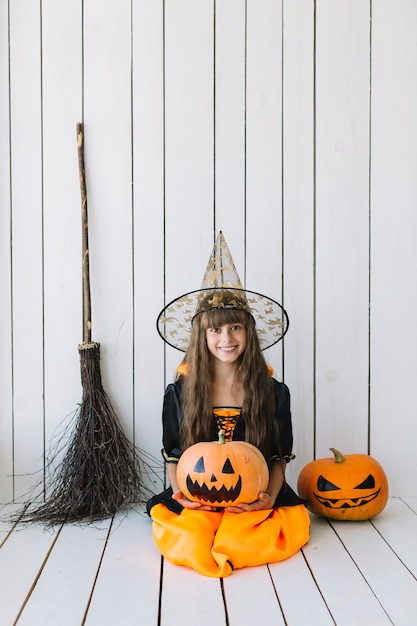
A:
[338,456]
[222,438]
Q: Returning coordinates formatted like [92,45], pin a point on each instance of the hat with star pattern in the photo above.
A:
[221,289]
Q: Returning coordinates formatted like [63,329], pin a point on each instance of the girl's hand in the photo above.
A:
[189,504]
[264,501]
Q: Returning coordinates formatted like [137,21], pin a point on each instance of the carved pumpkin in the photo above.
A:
[351,487]
[222,473]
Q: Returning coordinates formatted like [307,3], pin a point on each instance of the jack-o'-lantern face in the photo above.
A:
[225,486]
[222,473]
[351,487]
[361,495]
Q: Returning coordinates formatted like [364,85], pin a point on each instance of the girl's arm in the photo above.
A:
[172,475]
[276,480]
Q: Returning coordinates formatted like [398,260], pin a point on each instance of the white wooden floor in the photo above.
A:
[350,573]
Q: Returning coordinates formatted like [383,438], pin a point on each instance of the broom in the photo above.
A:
[101,471]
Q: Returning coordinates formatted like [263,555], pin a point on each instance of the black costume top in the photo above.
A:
[171,422]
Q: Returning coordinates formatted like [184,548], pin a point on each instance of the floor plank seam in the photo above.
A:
[276,595]
[397,556]
[408,506]
[360,571]
[161,583]
[38,575]
[317,586]
[15,523]
[223,592]
[87,608]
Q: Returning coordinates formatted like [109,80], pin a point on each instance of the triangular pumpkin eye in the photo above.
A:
[228,467]
[199,466]
[368,483]
[325,485]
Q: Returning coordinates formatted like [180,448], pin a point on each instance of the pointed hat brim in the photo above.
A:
[175,320]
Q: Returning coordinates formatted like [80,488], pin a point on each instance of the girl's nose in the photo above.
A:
[226,333]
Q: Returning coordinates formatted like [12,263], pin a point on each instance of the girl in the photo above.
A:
[224,382]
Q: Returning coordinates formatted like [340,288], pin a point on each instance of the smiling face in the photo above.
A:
[226,343]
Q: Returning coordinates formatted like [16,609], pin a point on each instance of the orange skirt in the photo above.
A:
[215,543]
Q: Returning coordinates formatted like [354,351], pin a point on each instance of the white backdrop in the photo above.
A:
[290,125]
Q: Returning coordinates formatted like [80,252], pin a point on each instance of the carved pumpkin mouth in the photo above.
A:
[346,503]
[213,494]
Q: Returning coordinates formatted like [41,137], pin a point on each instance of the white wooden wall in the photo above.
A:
[289,124]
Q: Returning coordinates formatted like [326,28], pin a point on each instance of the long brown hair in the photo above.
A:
[252,375]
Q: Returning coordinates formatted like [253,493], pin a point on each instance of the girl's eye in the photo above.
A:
[236,327]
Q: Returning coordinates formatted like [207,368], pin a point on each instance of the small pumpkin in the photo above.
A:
[351,487]
[222,473]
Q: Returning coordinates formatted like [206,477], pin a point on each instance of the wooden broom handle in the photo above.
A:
[85,249]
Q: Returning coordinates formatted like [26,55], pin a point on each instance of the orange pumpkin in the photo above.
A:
[222,473]
[351,487]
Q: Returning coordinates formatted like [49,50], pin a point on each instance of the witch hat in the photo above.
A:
[221,288]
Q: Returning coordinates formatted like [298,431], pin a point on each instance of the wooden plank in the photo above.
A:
[26,235]
[392,584]
[289,578]
[229,127]
[148,209]
[298,207]
[342,233]
[189,154]
[394,253]
[108,154]
[22,558]
[250,597]
[62,592]
[7,513]
[346,593]
[189,598]
[61,97]
[264,156]
[188,143]
[411,503]
[127,587]
[6,399]
[398,525]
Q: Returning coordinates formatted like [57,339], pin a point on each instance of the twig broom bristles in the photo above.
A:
[101,470]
